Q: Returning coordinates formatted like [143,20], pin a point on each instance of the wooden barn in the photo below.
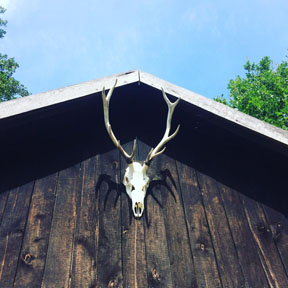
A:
[217,216]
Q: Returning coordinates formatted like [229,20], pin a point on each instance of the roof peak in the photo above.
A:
[61,95]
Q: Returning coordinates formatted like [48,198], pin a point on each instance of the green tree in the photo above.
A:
[263,93]
[3,23]
[10,88]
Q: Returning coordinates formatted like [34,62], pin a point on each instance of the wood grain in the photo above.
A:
[243,239]
[180,254]
[3,200]
[57,271]
[157,254]
[207,274]
[278,224]
[35,243]
[74,229]
[109,265]
[84,271]
[12,231]
[226,253]
[133,239]
[267,249]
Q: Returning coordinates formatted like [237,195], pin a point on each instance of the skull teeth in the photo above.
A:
[138,209]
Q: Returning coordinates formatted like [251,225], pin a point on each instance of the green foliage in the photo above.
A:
[10,88]
[263,93]
[2,23]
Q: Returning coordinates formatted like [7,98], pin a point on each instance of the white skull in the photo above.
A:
[136,182]
[135,179]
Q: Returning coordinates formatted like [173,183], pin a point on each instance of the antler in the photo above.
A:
[129,158]
[157,150]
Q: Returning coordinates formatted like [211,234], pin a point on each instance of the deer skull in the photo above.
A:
[136,182]
[135,179]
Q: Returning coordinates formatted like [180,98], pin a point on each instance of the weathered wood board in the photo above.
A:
[75,228]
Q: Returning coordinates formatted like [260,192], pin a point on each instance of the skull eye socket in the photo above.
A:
[133,188]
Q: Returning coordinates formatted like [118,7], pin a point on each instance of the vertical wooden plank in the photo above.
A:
[109,254]
[12,231]
[87,229]
[133,239]
[3,200]
[267,250]
[157,255]
[243,239]
[278,224]
[207,274]
[180,254]
[34,249]
[59,256]
[226,254]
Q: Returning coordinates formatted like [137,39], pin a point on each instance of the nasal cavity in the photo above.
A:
[138,209]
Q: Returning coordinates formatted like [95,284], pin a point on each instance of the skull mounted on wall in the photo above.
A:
[136,180]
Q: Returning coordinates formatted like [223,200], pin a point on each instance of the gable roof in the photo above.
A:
[62,95]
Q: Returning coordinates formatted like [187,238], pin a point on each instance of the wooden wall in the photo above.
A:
[74,228]
[219,219]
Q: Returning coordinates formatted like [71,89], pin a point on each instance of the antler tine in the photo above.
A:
[106,100]
[157,150]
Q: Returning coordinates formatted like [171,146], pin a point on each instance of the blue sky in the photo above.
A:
[199,45]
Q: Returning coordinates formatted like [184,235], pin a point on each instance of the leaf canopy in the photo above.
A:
[263,93]
[10,88]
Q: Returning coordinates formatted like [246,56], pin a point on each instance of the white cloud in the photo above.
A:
[9,5]
[5,3]
[18,8]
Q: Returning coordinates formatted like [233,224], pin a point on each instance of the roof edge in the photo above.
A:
[217,108]
[49,98]
[61,95]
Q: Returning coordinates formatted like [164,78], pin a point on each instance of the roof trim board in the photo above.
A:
[218,109]
[45,99]
[38,101]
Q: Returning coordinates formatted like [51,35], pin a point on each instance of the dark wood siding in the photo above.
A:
[219,220]
[74,228]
